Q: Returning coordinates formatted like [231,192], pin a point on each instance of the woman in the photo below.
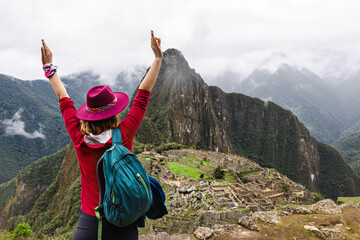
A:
[90,129]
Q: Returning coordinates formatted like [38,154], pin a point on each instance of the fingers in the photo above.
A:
[154,40]
[44,44]
[42,55]
[156,45]
[46,55]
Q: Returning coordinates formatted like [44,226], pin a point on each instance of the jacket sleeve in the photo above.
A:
[72,124]
[133,120]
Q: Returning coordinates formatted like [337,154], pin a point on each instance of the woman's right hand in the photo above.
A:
[156,46]
[46,55]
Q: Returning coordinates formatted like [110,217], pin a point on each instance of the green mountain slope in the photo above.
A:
[349,147]
[302,92]
[30,121]
[18,196]
[31,126]
[45,194]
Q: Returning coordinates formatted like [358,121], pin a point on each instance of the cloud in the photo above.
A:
[266,101]
[15,126]
[110,36]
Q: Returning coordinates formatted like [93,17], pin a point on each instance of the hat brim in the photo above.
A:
[122,102]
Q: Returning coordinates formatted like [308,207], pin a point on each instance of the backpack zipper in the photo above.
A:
[140,179]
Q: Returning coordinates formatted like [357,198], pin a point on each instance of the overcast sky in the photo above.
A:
[110,36]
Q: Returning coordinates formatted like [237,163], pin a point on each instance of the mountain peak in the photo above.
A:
[173,56]
[173,51]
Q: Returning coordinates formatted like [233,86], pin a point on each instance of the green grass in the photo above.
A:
[190,162]
[349,199]
[203,162]
[206,161]
[281,203]
[181,169]
[209,167]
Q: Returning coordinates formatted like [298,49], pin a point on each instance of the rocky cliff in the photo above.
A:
[184,109]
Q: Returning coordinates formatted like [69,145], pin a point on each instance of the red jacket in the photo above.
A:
[88,155]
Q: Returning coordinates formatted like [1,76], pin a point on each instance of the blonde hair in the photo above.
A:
[98,127]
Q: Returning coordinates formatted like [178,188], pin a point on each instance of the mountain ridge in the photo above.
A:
[210,119]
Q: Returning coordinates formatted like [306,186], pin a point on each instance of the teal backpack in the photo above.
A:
[124,188]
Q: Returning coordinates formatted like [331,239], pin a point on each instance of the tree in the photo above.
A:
[218,173]
[22,231]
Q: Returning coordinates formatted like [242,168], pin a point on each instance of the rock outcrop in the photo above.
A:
[326,206]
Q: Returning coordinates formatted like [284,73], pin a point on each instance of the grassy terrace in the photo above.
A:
[195,173]
[189,168]
[349,199]
[181,169]
[204,163]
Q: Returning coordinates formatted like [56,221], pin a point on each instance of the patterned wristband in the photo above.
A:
[49,69]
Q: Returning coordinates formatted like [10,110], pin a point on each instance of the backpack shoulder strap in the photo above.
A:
[116,136]
[101,179]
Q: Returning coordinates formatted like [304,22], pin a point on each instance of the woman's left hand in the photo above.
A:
[46,55]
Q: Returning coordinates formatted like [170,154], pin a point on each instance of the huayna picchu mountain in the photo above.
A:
[184,109]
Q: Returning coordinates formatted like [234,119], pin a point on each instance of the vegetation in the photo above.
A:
[21,232]
[168,146]
[349,199]
[348,146]
[292,226]
[181,169]
[218,173]
[285,188]
[331,183]
[30,184]
[39,110]
[281,203]
[317,197]
[243,178]
[55,209]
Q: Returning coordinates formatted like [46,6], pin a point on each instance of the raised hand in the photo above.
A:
[57,85]
[156,45]
[46,54]
[150,78]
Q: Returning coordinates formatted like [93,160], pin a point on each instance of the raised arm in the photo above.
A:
[57,85]
[151,76]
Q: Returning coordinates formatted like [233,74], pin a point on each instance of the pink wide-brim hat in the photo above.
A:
[102,103]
